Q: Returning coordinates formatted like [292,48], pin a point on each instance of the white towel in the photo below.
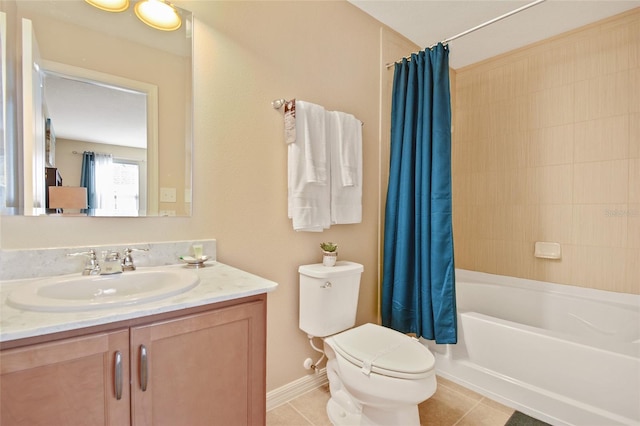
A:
[311,132]
[344,132]
[309,190]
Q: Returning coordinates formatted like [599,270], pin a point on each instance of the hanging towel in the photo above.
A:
[309,190]
[344,132]
[311,131]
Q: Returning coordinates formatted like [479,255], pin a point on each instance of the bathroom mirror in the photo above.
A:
[87,80]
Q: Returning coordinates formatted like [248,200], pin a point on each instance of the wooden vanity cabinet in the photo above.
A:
[203,369]
[199,368]
[67,382]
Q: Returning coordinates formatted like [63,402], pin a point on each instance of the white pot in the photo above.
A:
[329,258]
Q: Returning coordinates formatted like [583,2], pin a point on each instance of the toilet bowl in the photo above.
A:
[377,376]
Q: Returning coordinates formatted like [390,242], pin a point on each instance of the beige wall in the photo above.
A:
[247,54]
[547,148]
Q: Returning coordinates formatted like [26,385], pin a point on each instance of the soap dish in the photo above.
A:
[194,262]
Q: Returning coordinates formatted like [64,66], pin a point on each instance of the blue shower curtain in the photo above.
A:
[418,285]
[88,179]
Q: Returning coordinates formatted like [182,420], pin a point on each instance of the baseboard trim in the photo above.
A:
[296,388]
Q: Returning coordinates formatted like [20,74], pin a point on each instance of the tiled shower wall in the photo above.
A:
[546,147]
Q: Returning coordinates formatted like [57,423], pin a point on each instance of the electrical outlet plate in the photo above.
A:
[167,195]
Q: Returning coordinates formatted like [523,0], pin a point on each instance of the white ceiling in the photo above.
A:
[426,22]
[98,113]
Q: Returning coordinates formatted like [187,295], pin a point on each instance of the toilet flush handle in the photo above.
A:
[326,285]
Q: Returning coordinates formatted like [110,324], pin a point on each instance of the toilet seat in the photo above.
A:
[382,350]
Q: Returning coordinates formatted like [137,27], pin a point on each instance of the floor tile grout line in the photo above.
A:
[468,411]
[302,415]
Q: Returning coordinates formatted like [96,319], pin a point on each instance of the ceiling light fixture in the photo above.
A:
[110,5]
[158,14]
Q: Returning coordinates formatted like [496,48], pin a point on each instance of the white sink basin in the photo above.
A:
[86,293]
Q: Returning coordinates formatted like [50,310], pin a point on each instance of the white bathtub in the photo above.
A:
[565,355]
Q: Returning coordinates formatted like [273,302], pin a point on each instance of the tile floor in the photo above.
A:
[451,405]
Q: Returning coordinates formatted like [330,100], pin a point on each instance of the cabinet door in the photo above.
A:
[203,369]
[68,382]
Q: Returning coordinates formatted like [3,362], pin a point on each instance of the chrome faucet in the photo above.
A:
[111,264]
[91,266]
[127,259]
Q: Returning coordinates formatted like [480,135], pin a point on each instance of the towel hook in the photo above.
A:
[277,103]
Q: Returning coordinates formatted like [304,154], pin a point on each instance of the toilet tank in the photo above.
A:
[328,297]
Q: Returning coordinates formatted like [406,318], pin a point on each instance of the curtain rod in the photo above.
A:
[112,156]
[477,27]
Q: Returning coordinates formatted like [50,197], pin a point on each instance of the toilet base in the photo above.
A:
[340,417]
[371,416]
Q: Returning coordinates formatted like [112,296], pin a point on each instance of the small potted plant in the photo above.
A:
[329,253]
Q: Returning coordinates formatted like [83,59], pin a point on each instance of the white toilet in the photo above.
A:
[377,376]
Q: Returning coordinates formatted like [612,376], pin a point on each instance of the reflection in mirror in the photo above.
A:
[108,117]
[104,83]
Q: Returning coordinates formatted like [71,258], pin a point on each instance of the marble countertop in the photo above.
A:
[218,283]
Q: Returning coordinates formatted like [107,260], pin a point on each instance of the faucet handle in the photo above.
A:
[91,253]
[127,259]
[91,267]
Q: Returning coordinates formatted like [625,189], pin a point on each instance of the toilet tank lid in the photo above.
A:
[318,270]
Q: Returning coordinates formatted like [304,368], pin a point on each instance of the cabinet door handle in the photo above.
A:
[118,375]
[144,368]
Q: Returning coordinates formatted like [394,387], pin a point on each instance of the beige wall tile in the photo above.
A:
[460,188]
[600,225]
[511,222]
[556,129]
[632,282]
[599,267]
[511,149]
[601,182]
[602,96]
[551,146]
[511,187]
[484,188]
[633,226]
[476,221]
[634,180]
[514,258]
[475,255]
[634,135]
[555,271]
[461,158]
[602,139]
[552,223]
[508,116]
[550,184]
[472,122]
[483,155]
[605,54]
[554,66]
[634,93]
[552,107]
[634,43]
